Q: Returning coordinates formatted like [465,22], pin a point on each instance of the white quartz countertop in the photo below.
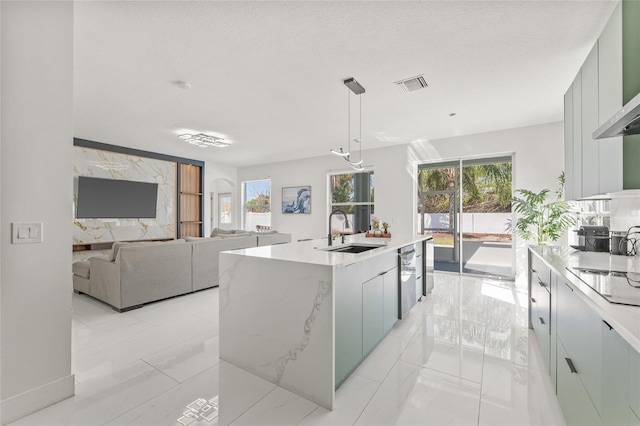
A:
[624,319]
[312,251]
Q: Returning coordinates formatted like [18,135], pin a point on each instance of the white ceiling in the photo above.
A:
[268,75]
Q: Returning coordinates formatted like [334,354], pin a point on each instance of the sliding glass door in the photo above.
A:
[466,205]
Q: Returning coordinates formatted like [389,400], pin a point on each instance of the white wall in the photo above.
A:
[36,185]
[538,162]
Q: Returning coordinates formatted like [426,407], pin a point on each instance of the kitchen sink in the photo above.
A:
[353,248]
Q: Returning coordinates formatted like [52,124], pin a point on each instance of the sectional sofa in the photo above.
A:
[141,272]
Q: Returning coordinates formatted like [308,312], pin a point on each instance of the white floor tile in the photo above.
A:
[101,399]
[171,405]
[239,391]
[516,395]
[412,395]
[279,407]
[116,329]
[351,399]
[102,359]
[185,360]
[451,346]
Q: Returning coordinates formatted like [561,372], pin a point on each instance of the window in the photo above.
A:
[352,193]
[256,197]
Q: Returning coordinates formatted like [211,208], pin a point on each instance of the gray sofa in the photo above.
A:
[142,272]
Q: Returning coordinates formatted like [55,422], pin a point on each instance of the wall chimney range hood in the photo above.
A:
[624,122]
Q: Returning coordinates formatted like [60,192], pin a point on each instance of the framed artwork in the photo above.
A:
[296,199]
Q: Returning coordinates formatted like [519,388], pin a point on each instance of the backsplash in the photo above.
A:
[111,165]
[625,210]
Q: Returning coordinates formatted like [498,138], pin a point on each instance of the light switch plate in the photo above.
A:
[26,232]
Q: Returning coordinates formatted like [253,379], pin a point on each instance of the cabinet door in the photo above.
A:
[348,316]
[615,377]
[590,147]
[579,328]
[541,321]
[575,402]
[390,299]
[372,313]
[634,381]
[633,420]
[610,100]
[568,144]
[577,136]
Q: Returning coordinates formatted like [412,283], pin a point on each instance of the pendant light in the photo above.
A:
[356,88]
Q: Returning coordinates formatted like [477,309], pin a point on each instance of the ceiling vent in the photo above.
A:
[412,84]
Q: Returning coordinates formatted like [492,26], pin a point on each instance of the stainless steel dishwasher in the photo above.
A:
[407,282]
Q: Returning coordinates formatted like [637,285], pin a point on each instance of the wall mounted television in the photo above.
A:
[115,199]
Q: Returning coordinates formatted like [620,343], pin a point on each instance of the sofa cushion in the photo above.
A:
[218,231]
[115,247]
[192,239]
[81,268]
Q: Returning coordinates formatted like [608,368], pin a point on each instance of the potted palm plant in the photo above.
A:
[540,219]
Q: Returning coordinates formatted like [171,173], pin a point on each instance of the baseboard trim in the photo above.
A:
[28,402]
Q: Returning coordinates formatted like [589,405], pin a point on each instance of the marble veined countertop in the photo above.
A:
[624,319]
[312,251]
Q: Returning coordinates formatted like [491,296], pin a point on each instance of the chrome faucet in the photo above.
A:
[330,239]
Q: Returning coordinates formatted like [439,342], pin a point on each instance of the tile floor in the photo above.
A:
[464,356]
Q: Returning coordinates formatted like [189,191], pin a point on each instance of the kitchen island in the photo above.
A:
[304,317]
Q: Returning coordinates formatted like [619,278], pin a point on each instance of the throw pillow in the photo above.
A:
[218,231]
[114,249]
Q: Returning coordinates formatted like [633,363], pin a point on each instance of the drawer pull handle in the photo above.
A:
[568,286]
[542,284]
[607,324]
[571,366]
[541,320]
[533,300]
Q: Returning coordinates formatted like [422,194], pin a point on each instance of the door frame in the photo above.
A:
[460,160]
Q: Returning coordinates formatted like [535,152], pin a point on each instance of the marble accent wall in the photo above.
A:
[112,165]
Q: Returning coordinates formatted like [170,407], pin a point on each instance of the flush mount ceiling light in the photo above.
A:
[358,89]
[204,141]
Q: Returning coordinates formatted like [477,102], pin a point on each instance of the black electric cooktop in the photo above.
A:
[615,286]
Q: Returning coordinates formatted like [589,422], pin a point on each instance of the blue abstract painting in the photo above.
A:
[296,199]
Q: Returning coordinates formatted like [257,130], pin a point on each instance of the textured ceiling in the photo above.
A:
[268,75]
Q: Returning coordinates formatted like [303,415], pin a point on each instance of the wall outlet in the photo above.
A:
[26,232]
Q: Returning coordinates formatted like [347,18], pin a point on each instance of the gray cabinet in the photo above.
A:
[615,377]
[540,305]
[372,313]
[610,100]
[589,117]
[348,316]
[595,372]
[634,381]
[579,330]
[574,400]
[366,307]
[595,166]
[390,299]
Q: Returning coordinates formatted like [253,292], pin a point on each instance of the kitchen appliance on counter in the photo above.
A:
[407,271]
[618,287]
[592,238]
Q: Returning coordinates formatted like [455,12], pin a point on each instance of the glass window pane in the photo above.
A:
[257,204]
